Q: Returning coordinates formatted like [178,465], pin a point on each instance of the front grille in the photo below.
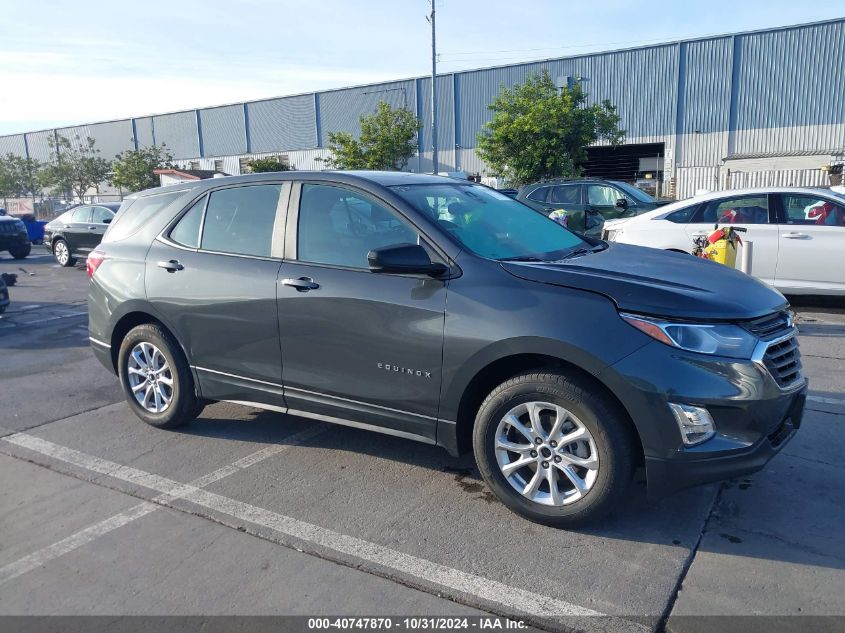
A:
[783,360]
[8,227]
[779,347]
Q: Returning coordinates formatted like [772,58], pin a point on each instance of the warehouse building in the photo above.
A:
[757,108]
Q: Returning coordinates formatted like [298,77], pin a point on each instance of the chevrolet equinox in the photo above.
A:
[448,313]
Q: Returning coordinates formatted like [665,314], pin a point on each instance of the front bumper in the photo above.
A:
[754,417]
[666,476]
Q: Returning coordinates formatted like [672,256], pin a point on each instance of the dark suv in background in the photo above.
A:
[588,202]
[77,232]
[14,237]
[451,314]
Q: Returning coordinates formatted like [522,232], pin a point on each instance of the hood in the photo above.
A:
[661,283]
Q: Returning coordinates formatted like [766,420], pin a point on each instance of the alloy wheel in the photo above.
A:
[150,377]
[546,453]
[62,254]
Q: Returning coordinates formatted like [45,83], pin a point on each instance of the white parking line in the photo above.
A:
[494,592]
[85,536]
[825,400]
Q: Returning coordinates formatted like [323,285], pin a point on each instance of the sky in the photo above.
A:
[83,61]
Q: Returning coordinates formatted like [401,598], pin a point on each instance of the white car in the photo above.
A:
[798,233]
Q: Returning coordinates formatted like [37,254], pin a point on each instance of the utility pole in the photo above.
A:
[434,163]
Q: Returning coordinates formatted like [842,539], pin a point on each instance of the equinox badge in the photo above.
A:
[405,370]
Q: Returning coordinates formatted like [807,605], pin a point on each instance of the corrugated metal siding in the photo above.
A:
[705,102]
[179,132]
[144,130]
[791,78]
[12,145]
[111,137]
[279,124]
[223,130]
[445,115]
[341,110]
[688,180]
[39,147]
[780,178]
[640,83]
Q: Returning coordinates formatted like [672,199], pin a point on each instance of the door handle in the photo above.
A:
[303,284]
[93,228]
[796,236]
[172,266]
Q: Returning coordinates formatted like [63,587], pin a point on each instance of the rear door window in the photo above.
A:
[101,214]
[240,220]
[566,194]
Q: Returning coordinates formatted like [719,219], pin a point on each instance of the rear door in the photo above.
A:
[212,277]
[359,346]
[811,253]
[75,230]
[751,212]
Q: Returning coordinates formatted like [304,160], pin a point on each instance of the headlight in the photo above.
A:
[720,339]
[19,224]
[613,234]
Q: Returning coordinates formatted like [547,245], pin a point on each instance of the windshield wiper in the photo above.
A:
[520,258]
[578,252]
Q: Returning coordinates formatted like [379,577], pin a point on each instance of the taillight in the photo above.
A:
[95,258]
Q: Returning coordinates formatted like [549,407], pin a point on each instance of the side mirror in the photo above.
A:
[622,203]
[107,220]
[404,259]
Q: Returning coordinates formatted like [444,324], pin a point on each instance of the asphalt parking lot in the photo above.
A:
[248,512]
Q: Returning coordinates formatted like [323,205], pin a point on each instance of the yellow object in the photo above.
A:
[723,250]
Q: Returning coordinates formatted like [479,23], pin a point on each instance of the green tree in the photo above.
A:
[19,176]
[270,163]
[539,131]
[132,170]
[388,139]
[75,166]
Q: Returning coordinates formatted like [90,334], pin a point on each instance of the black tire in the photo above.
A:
[611,433]
[21,252]
[184,405]
[71,261]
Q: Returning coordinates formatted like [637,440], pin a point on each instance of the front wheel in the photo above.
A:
[21,252]
[62,253]
[156,379]
[552,449]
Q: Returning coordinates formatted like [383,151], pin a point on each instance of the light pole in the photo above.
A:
[434,165]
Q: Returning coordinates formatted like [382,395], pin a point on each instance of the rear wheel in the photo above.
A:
[20,252]
[62,253]
[552,449]
[156,379]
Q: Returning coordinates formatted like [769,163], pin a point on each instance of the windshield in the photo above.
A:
[638,194]
[489,223]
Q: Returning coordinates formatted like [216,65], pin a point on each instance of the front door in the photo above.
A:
[212,278]
[812,244]
[360,347]
[751,212]
[96,228]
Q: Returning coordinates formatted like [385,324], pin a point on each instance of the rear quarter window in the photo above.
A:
[134,213]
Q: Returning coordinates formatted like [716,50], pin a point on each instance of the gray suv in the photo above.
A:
[447,313]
